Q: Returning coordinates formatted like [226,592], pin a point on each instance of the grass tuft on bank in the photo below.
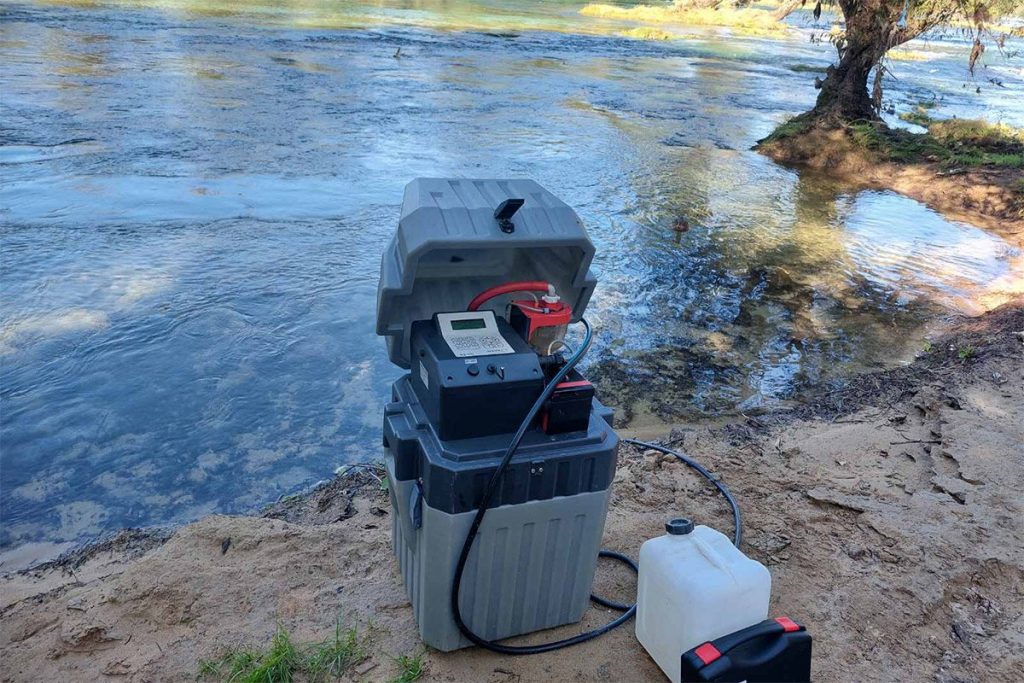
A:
[952,143]
[410,668]
[283,660]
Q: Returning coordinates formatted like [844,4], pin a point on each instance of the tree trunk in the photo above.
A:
[869,34]
[844,92]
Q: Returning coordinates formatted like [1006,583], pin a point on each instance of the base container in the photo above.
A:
[533,562]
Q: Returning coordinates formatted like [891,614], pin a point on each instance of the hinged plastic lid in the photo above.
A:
[449,247]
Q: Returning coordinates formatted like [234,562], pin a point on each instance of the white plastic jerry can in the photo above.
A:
[695,586]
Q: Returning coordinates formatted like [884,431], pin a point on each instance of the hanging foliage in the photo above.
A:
[876,89]
[976,51]
[870,28]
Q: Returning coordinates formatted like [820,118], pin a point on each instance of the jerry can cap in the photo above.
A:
[678,526]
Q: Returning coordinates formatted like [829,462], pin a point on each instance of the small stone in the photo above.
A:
[117,668]
[365,666]
[86,636]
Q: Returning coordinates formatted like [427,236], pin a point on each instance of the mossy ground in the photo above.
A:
[952,143]
[955,143]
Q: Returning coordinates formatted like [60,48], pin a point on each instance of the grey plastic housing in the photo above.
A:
[530,568]
[533,561]
[448,248]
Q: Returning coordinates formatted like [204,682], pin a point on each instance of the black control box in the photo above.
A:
[568,409]
[472,396]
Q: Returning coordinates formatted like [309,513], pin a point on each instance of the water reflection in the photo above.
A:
[194,200]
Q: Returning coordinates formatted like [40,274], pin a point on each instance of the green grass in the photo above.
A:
[955,143]
[791,128]
[808,68]
[283,660]
[978,133]
[333,656]
[918,115]
[411,668]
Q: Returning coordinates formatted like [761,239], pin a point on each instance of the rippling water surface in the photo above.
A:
[195,197]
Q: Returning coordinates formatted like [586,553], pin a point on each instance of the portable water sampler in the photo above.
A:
[500,459]
[477,290]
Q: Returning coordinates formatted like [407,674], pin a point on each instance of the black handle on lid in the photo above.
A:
[503,214]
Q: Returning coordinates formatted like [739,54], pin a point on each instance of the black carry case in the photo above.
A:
[774,651]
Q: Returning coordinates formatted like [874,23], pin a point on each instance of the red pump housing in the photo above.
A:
[542,324]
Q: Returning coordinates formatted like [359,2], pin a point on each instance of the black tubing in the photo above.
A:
[485,501]
[628,610]
[737,531]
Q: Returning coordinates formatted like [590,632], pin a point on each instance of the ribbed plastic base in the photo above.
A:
[531,567]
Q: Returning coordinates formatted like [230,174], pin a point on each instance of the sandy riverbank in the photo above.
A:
[889,513]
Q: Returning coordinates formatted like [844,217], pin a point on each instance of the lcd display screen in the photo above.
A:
[469,324]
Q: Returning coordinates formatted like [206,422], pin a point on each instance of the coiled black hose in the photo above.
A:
[628,610]
[737,530]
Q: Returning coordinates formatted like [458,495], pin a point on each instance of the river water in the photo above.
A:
[195,197]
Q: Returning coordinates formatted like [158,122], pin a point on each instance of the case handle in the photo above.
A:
[702,655]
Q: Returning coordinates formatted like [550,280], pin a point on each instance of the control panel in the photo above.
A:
[472,333]
[468,384]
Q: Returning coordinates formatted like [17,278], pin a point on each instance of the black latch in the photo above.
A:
[416,505]
[503,214]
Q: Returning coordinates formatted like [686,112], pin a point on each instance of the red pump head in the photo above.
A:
[542,321]
[542,324]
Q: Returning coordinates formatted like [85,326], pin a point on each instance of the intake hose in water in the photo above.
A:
[628,610]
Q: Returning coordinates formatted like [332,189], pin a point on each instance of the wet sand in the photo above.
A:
[888,511]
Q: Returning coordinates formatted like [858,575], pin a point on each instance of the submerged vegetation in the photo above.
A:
[746,19]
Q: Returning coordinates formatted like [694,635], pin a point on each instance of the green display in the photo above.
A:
[469,324]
